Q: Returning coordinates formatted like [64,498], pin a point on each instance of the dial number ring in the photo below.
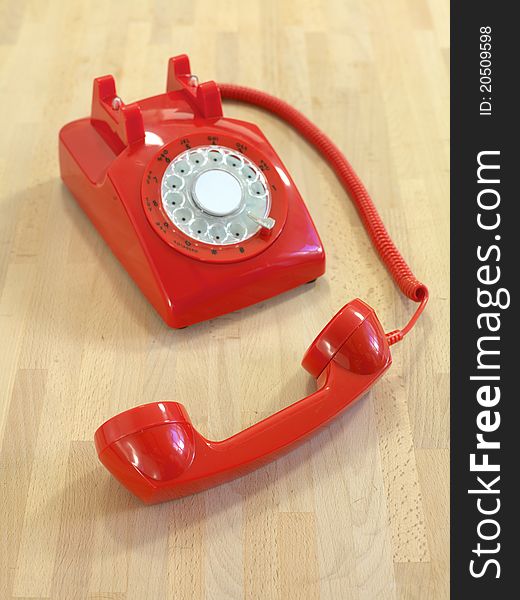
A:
[177,215]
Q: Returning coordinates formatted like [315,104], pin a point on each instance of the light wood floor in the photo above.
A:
[358,512]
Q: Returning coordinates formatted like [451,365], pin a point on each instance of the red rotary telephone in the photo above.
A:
[203,215]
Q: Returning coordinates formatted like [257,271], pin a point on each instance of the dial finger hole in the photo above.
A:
[234,161]
[217,233]
[198,228]
[182,168]
[249,173]
[215,157]
[257,189]
[237,231]
[174,199]
[196,158]
[174,183]
[183,216]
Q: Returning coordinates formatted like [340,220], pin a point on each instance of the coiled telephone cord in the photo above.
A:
[385,247]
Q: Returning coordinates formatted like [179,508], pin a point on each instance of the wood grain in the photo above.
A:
[358,512]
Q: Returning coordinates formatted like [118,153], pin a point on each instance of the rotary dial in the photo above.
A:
[216,195]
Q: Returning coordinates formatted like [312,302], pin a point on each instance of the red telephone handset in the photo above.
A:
[155,452]
[202,213]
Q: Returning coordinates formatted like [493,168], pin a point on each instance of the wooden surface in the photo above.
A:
[358,512]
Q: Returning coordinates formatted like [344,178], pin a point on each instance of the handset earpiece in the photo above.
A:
[156,453]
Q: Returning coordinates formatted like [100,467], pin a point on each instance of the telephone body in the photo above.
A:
[206,219]
[197,207]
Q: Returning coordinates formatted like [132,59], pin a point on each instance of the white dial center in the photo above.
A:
[217,192]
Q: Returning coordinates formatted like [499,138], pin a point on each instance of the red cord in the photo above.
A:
[390,255]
